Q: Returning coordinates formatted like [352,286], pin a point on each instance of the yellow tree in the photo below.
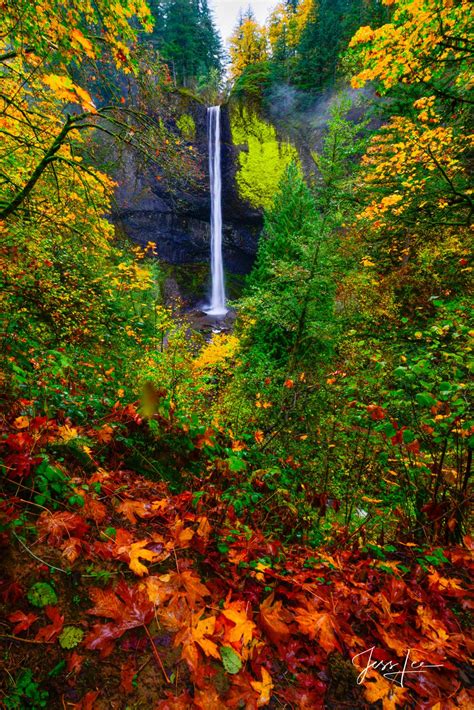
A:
[287,21]
[428,43]
[248,44]
[63,280]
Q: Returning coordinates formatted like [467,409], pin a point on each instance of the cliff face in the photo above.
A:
[177,221]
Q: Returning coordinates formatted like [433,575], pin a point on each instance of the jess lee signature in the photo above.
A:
[392,670]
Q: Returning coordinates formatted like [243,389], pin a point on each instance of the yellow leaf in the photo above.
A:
[136,552]
[78,38]
[243,629]
[263,688]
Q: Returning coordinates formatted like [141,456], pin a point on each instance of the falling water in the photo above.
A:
[217,305]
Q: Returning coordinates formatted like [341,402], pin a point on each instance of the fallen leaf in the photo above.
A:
[263,688]
[49,633]
[23,621]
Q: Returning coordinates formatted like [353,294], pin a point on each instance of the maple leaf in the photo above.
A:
[242,692]
[394,642]
[207,698]
[390,694]
[131,508]
[263,688]
[195,635]
[66,90]
[195,590]
[71,549]
[66,433]
[56,526]
[445,585]
[205,439]
[133,552]
[430,626]
[182,535]
[204,528]
[272,619]
[128,607]
[23,621]
[88,701]
[49,633]
[137,551]
[158,589]
[318,625]
[105,434]
[172,702]
[243,628]
[93,509]
[78,39]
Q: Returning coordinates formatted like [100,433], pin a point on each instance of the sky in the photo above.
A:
[227,11]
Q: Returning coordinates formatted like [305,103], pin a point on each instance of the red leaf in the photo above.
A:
[129,607]
[376,412]
[49,633]
[127,673]
[56,526]
[88,701]
[23,621]
[74,663]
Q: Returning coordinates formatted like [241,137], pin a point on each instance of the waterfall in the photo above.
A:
[217,304]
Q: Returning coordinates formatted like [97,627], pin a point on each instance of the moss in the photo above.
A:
[264,161]
[187,126]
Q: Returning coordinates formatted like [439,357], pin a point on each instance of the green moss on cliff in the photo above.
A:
[264,159]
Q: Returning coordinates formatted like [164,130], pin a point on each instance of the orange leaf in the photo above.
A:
[21,422]
[272,618]
[318,625]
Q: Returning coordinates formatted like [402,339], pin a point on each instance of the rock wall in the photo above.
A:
[148,209]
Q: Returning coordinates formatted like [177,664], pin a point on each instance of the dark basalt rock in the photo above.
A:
[177,221]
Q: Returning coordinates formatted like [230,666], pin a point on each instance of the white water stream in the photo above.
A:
[217,305]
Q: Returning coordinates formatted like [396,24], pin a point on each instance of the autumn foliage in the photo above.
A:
[277,516]
[167,586]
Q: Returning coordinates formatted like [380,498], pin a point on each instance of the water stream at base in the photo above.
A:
[217,306]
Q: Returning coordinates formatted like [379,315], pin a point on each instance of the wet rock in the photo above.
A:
[177,221]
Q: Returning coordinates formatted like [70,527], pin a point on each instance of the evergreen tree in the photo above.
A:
[327,33]
[187,39]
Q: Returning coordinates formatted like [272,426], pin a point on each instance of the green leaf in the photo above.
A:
[236,464]
[42,594]
[424,399]
[58,668]
[70,636]
[230,660]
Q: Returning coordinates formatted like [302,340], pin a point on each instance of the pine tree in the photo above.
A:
[187,39]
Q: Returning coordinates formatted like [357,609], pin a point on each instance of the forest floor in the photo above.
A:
[141,598]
